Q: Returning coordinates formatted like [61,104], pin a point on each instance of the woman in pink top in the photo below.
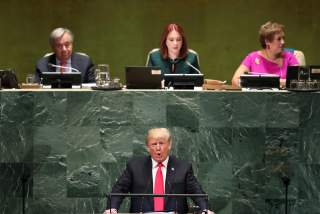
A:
[271,59]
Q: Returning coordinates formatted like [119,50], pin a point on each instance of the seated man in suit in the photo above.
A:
[63,59]
[158,173]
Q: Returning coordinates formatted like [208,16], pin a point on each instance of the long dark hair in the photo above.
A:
[163,47]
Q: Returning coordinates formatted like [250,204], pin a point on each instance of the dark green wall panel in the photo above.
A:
[70,147]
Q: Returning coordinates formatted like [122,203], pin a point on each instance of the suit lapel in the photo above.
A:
[52,60]
[149,180]
[169,180]
[169,176]
[149,176]
[75,62]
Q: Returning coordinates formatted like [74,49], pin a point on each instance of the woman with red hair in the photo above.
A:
[173,56]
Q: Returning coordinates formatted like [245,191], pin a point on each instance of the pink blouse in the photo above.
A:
[257,64]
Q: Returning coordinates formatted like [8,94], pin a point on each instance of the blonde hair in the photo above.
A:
[267,32]
[158,133]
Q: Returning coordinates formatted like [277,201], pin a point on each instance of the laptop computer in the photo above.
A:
[183,81]
[143,77]
[59,80]
[302,73]
[260,81]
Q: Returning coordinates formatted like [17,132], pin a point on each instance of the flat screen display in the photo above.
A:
[61,80]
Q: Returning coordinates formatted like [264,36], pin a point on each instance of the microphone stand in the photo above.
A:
[286,182]
[194,68]
[24,180]
[64,67]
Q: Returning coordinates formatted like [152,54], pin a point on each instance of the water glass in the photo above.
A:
[102,74]
[30,79]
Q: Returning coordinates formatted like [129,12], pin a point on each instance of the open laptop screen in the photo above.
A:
[143,77]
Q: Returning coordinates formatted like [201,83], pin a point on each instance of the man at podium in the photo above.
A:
[157,173]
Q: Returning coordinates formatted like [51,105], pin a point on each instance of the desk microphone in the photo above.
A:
[188,63]
[60,66]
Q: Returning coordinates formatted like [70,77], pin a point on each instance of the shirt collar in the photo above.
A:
[68,61]
[164,163]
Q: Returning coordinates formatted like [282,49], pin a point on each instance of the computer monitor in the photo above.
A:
[183,81]
[260,81]
[301,75]
[61,80]
[143,77]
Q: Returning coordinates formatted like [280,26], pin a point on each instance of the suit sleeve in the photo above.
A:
[149,60]
[41,66]
[123,185]
[196,64]
[37,74]
[90,76]
[194,187]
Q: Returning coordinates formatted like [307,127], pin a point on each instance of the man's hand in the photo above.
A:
[110,211]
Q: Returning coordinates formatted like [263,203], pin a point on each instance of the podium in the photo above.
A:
[131,195]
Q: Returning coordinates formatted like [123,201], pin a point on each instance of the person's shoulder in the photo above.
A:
[80,55]
[138,160]
[192,52]
[45,59]
[253,54]
[192,55]
[251,57]
[179,162]
[288,53]
[154,52]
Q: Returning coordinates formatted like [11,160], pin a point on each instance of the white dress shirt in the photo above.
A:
[68,65]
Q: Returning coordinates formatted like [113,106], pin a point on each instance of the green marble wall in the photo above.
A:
[122,32]
[69,147]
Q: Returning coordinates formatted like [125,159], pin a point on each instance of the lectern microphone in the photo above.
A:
[196,69]
[64,67]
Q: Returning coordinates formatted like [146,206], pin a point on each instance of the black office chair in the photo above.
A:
[8,79]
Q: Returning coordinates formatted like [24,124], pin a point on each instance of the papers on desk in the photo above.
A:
[260,89]
[89,85]
[194,89]
[49,87]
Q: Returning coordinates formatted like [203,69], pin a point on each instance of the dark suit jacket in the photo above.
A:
[78,61]
[137,178]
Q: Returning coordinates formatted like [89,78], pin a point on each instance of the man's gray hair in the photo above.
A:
[57,33]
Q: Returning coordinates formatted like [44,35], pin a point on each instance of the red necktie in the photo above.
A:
[159,189]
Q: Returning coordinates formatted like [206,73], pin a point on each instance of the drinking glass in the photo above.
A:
[30,79]
[102,74]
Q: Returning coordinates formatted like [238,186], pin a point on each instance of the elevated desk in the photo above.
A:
[68,146]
